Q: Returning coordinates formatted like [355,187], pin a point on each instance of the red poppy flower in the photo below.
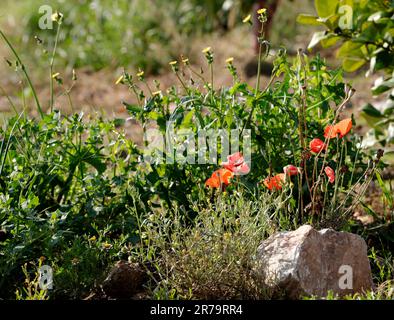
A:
[236,164]
[275,182]
[342,128]
[219,177]
[290,170]
[330,174]
[316,145]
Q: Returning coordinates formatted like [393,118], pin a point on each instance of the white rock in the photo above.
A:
[310,262]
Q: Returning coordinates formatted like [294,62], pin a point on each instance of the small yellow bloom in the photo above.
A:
[157,93]
[247,18]
[107,245]
[92,238]
[173,63]
[120,79]
[140,74]
[262,11]
[74,77]
[57,17]
[230,60]
[54,76]
[185,61]
[206,50]
[226,236]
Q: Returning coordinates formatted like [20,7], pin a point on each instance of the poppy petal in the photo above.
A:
[316,145]
[218,177]
[330,132]
[212,182]
[330,174]
[275,182]
[290,170]
[236,164]
[241,169]
[343,127]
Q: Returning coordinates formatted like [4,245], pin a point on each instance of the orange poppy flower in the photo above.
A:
[275,182]
[219,177]
[330,174]
[342,128]
[316,145]
[236,164]
[290,170]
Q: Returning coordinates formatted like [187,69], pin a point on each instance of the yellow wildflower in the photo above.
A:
[120,79]
[107,245]
[247,18]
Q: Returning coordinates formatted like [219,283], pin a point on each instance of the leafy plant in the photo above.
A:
[31,290]
[365,30]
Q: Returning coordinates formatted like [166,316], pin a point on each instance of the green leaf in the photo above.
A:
[308,19]
[132,108]
[96,162]
[370,110]
[351,49]
[331,22]
[119,122]
[371,115]
[329,41]
[316,38]
[188,119]
[382,86]
[326,8]
[352,64]
[385,190]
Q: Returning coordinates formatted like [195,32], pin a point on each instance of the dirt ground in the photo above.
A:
[97,91]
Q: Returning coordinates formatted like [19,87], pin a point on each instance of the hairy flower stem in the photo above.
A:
[51,68]
[25,73]
[260,39]
[182,82]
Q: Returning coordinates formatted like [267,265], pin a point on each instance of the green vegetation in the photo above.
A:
[78,195]
[365,30]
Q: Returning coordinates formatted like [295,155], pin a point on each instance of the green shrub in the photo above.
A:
[365,30]
[110,33]
[63,179]
[214,258]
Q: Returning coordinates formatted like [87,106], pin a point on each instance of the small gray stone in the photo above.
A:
[310,262]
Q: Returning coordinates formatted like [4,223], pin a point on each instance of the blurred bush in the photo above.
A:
[365,30]
[120,32]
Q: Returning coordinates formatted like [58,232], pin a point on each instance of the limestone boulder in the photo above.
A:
[311,262]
